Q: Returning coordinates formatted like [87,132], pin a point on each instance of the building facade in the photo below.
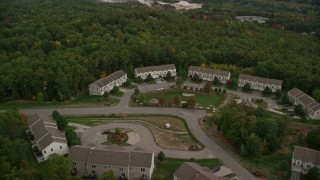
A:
[208,74]
[259,83]
[191,170]
[304,159]
[45,137]
[91,161]
[311,106]
[107,83]
[156,71]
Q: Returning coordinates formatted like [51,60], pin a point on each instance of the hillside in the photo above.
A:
[59,47]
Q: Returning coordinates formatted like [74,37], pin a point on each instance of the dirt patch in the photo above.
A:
[170,140]
[175,123]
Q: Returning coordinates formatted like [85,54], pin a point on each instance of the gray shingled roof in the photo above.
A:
[305,99]
[108,79]
[109,157]
[209,71]
[79,153]
[260,79]
[44,130]
[155,68]
[192,171]
[306,155]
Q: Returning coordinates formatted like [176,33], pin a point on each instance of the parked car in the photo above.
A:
[215,169]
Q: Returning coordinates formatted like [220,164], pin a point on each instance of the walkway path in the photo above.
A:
[190,115]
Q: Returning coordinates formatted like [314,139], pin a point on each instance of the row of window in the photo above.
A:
[51,150]
[121,168]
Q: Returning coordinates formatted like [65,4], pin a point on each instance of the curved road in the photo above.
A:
[190,115]
[146,141]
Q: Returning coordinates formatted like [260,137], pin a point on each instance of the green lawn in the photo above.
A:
[165,170]
[269,164]
[202,99]
[80,100]
[291,119]
[118,94]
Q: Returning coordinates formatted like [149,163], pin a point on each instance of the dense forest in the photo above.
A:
[59,47]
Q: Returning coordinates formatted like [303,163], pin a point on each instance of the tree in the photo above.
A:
[196,77]
[298,109]
[207,88]
[108,176]
[266,91]
[149,78]
[313,138]
[40,97]
[72,137]
[278,93]
[168,75]
[127,83]
[313,174]
[11,125]
[139,80]
[254,146]
[316,94]
[232,84]
[55,114]
[247,88]
[191,101]
[106,95]
[56,167]
[216,81]
[161,100]
[61,123]
[161,156]
[285,99]
[115,90]
[176,100]
[136,91]
[284,166]
[179,82]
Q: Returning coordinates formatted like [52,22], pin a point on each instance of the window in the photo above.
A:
[60,147]
[121,169]
[93,172]
[93,166]
[44,152]
[142,170]
[105,166]
[51,149]
[74,163]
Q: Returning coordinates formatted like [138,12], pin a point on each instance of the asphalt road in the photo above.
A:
[190,115]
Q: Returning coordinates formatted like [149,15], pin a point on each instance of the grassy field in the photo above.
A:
[83,100]
[202,99]
[166,169]
[269,165]
[294,120]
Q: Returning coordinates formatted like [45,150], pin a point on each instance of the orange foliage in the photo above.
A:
[23,118]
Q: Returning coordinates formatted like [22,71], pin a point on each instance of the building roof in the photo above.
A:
[192,171]
[155,68]
[306,155]
[260,80]
[79,153]
[215,72]
[305,99]
[108,79]
[44,130]
[294,91]
[110,157]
